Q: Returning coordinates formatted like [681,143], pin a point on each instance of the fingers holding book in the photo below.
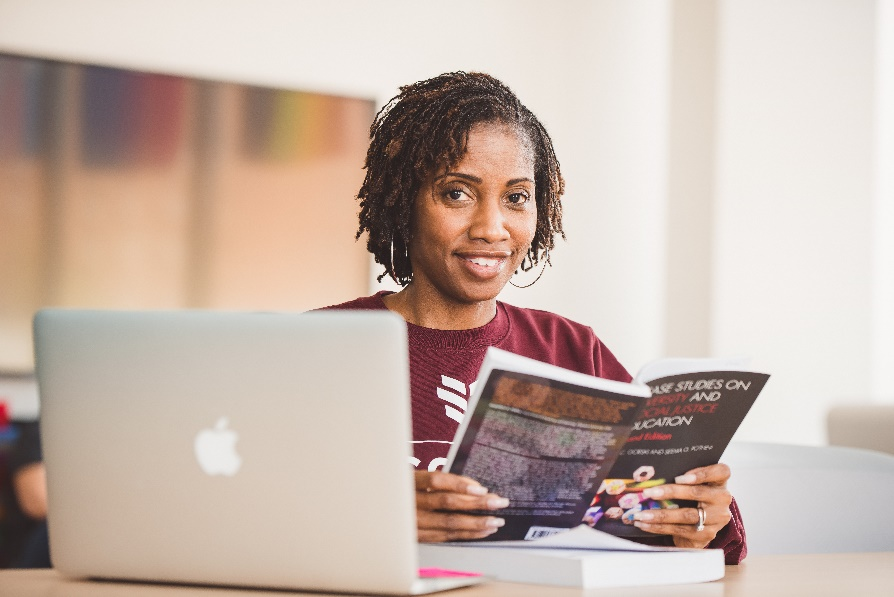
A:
[448,508]
[691,527]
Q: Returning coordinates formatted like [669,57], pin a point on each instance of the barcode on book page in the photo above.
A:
[538,532]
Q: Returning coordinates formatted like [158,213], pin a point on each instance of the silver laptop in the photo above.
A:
[244,449]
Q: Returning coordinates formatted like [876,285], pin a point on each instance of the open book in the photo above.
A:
[567,448]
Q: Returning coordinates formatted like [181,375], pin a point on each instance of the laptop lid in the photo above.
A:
[248,449]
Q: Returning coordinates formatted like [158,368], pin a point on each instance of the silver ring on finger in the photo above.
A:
[701,520]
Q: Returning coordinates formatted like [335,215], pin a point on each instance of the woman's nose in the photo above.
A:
[488,222]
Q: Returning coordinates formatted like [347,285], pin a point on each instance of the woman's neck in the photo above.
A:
[433,310]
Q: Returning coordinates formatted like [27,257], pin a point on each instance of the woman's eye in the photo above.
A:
[518,198]
[455,194]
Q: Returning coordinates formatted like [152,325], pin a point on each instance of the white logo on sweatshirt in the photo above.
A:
[453,392]
[457,397]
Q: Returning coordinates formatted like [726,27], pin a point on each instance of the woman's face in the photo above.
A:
[474,224]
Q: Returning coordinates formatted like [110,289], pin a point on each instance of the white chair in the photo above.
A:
[805,499]
[867,426]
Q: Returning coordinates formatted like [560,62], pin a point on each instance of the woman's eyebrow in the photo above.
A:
[478,180]
[460,175]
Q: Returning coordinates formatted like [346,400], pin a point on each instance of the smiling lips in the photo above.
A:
[485,266]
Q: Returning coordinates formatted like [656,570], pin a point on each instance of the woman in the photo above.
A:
[463,189]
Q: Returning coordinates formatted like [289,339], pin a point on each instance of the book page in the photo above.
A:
[677,366]
[580,537]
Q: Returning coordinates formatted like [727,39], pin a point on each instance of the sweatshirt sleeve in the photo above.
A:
[607,365]
[731,538]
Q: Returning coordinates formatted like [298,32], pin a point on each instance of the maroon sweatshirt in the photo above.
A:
[444,365]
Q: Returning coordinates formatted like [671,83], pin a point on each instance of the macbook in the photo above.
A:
[241,449]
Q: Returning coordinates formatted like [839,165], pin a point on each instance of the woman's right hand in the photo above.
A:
[441,499]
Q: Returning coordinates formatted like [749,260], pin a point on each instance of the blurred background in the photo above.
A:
[729,167]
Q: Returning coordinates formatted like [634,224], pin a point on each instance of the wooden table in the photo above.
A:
[816,575]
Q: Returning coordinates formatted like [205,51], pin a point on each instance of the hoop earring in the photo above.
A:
[530,267]
[402,280]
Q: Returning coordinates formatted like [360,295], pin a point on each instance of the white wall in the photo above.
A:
[788,181]
[883,209]
[794,200]
[691,166]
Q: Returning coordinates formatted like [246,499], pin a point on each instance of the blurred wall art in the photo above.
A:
[125,189]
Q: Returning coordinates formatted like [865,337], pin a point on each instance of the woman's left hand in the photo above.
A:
[707,486]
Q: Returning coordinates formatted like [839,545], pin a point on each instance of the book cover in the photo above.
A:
[687,423]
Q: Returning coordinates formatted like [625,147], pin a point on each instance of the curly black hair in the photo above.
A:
[426,126]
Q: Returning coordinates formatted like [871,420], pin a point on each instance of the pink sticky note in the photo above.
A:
[441,573]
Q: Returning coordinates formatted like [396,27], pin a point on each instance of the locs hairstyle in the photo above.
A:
[425,127]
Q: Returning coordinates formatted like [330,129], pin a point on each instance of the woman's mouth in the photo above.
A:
[484,266]
[486,261]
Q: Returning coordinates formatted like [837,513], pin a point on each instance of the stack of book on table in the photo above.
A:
[581,557]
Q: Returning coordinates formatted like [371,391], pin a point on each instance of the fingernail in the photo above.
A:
[641,525]
[497,502]
[689,478]
[495,523]
[476,490]
[653,492]
[643,516]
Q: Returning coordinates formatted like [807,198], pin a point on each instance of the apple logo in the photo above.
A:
[216,450]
